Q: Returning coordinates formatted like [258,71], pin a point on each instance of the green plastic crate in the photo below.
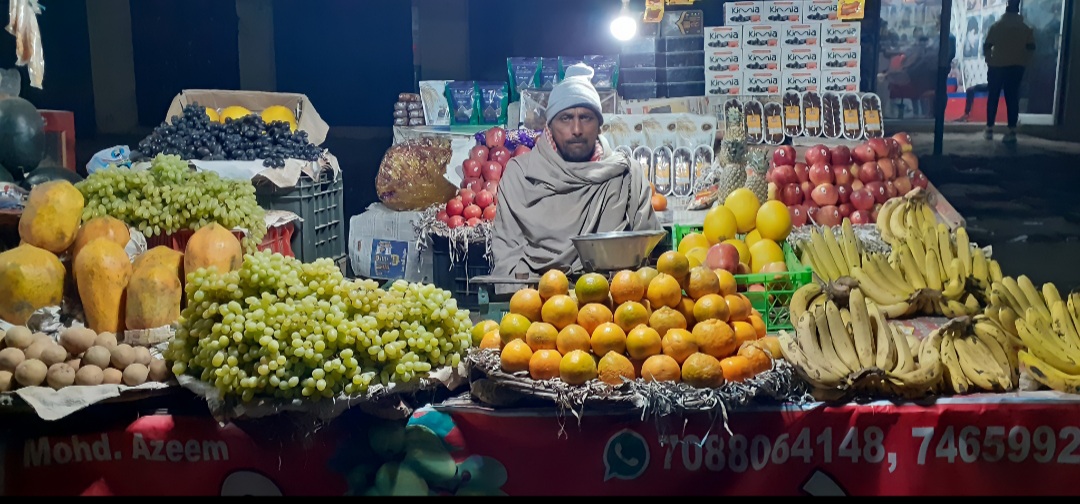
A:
[678,231]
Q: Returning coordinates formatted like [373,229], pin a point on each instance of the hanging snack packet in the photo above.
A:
[549,73]
[494,100]
[464,105]
[524,74]
[605,70]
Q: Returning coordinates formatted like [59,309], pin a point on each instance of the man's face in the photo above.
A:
[575,132]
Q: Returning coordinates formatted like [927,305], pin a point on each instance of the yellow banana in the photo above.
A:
[1050,294]
[896,310]
[953,374]
[884,220]
[999,355]
[1047,348]
[988,330]
[928,217]
[894,278]
[807,337]
[954,289]
[911,268]
[979,268]
[841,338]
[1034,298]
[862,334]
[1063,326]
[975,367]
[917,247]
[835,252]
[825,342]
[963,250]
[1048,375]
[801,298]
[995,270]
[928,374]
[880,294]
[1017,299]
[1073,304]
[886,355]
[1008,318]
[850,243]
[971,303]
[823,256]
[933,271]
[897,222]
[930,241]
[911,218]
[809,370]
[945,245]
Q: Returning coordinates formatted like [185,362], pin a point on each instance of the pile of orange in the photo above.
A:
[671,323]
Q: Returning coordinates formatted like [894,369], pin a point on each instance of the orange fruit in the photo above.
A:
[679,344]
[577,367]
[491,340]
[515,356]
[674,264]
[773,221]
[692,241]
[559,311]
[664,290]
[643,342]
[627,286]
[728,285]
[715,338]
[702,371]
[630,315]
[736,368]
[661,368]
[759,360]
[514,326]
[527,302]
[541,336]
[744,204]
[614,367]
[544,364]
[647,274]
[772,345]
[720,225]
[572,337]
[659,202]
[743,332]
[553,283]
[665,319]
[591,288]
[481,328]
[686,308]
[608,338]
[738,309]
[592,315]
[703,281]
[711,307]
[758,323]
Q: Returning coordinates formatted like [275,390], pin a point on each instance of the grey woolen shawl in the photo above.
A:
[544,201]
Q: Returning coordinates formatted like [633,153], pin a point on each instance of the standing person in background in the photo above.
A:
[1009,45]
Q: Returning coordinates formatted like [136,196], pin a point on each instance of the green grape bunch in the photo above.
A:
[170,196]
[280,328]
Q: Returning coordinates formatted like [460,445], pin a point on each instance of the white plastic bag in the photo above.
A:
[23,24]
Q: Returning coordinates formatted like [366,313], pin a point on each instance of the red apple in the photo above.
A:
[455,222]
[500,155]
[479,153]
[840,155]
[905,141]
[802,172]
[888,168]
[791,194]
[856,185]
[890,189]
[903,185]
[784,175]
[863,153]
[862,199]
[442,216]
[808,199]
[829,215]
[843,174]
[877,189]
[881,149]
[818,154]
[807,188]
[454,207]
[770,174]
[521,150]
[844,192]
[723,256]
[470,168]
[472,211]
[911,160]
[920,180]
[860,217]
[869,172]
[473,222]
[467,181]
[874,212]
[484,199]
[894,147]
[495,137]
[825,194]
[468,196]
[783,155]
[798,215]
[492,170]
[492,186]
[812,213]
[489,213]
[845,209]
[821,173]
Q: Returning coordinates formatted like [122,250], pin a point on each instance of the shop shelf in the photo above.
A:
[681,74]
[638,60]
[320,205]
[637,91]
[682,43]
[681,59]
[680,89]
[644,75]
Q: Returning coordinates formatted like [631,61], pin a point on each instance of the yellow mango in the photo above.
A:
[52,216]
[213,246]
[30,278]
[153,296]
[102,272]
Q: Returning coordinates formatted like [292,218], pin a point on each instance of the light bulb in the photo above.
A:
[624,27]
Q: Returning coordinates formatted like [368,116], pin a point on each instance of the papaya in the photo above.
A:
[213,246]
[162,256]
[30,278]
[101,227]
[52,216]
[153,296]
[102,273]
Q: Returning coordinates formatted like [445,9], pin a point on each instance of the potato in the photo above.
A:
[97,356]
[59,376]
[135,374]
[159,370]
[31,373]
[34,350]
[45,338]
[112,376]
[53,354]
[19,337]
[77,340]
[7,381]
[10,358]
[105,339]
[142,355]
[89,375]
[122,356]
[75,364]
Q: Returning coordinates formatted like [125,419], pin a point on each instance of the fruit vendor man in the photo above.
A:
[572,183]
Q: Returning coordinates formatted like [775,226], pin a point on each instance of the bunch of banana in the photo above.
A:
[1052,341]
[831,256]
[855,349]
[1011,298]
[979,356]
[899,217]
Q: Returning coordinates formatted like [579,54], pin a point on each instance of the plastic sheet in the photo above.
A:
[23,24]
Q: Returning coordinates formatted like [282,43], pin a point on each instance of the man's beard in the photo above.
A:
[571,157]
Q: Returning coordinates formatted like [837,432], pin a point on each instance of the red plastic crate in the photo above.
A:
[278,239]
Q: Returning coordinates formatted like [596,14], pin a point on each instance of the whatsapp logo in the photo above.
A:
[626,455]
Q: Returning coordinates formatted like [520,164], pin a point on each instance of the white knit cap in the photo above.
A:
[575,90]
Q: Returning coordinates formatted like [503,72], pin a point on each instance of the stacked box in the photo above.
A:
[840,81]
[783,12]
[681,55]
[834,33]
[819,11]
[761,82]
[738,13]
[720,84]
[638,62]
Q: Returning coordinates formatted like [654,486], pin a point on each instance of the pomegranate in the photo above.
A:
[843,174]
[860,217]
[829,215]
[825,194]
[484,199]
[500,155]
[821,173]
[845,209]
[492,186]
[495,137]
[479,153]
[472,211]
[473,221]
[455,222]
[783,155]
[862,199]
[521,150]
[818,154]
[802,172]
[454,207]
[840,155]
[492,170]
[877,189]
[844,192]
[489,213]
[869,172]
[791,194]
[468,196]
[470,168]
[467,181]
[442,216]
[476,185]
[863,153]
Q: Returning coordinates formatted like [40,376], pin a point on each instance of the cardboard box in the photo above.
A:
[801,35]
[840,81]
[819,10]
[801,81]
[736,13]
[723,61]
[724,84]
[719,37]
[841,33]
[761,35]
[783,12]
[762,58]
[840,57]
[761,83]
[382,245]
[307,117]
[801,59]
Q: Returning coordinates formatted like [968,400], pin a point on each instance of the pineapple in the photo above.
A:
[733,146]
[732,177]
[757,161]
